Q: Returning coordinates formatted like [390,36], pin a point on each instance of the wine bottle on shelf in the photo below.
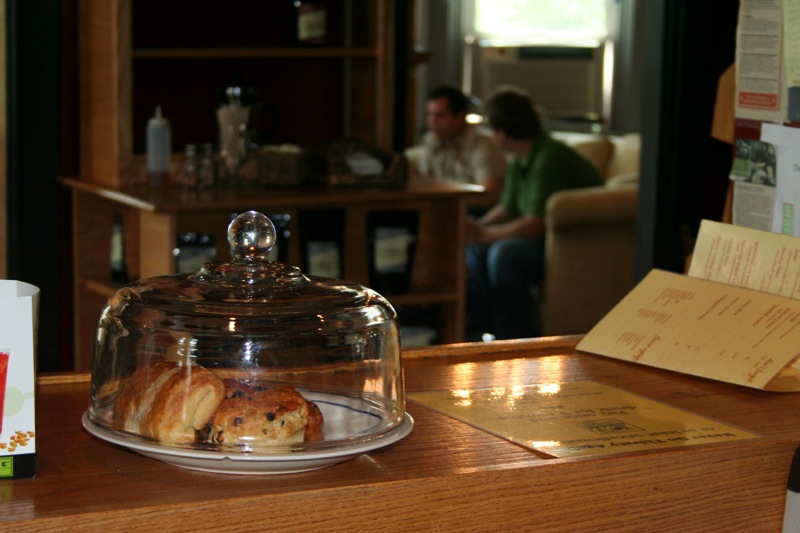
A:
[322,243]
[119,273]
[280,250]
[193,250]
[311,22]
[391,241]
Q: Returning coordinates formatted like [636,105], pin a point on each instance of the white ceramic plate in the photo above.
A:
[349,420]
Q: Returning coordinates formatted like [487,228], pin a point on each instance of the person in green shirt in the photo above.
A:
[505,252]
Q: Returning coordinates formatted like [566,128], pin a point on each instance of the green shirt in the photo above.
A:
[550,166]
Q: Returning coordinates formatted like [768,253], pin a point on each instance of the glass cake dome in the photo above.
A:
[249,359]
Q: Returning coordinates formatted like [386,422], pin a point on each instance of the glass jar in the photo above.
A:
[207,167]
[188,173]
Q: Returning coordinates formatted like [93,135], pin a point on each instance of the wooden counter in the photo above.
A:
[445,476]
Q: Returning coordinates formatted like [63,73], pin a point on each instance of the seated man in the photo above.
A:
[506,246]
[452,149]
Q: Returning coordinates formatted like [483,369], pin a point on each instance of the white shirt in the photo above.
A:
[469,158]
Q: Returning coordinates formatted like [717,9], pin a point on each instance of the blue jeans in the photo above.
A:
[500,275]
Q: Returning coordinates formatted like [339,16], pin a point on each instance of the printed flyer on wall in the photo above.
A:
[760,87]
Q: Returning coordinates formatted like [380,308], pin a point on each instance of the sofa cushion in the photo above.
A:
[598,151]
[626,155]
[620,181]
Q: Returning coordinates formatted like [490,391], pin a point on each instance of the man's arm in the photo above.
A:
[418,160]
[490,197]
[490,165]
[498,224]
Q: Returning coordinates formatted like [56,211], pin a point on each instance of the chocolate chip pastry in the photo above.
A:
[261,417]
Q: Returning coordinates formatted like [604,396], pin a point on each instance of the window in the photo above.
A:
[540,22]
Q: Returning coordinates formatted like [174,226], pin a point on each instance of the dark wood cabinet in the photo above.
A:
[137,54]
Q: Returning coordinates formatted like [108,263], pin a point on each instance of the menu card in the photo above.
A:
[746,257]
[731,319]
[578,418]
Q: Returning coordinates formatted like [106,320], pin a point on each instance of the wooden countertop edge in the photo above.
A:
[669,497]
[495,349]
[140,196]
[743,482]
[63,378]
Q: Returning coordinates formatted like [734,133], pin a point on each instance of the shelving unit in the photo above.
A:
[136,54]
[344,89]
[152,219]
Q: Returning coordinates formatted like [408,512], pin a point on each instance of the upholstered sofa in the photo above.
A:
[590,240]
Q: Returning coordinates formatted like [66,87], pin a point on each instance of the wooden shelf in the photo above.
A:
[153,217]
[416,297]
[306,94]
[131,59]
[420,296]
[172,197]
[101,287]
[254,53]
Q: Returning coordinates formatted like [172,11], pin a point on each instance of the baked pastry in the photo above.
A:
[313,431]
[257,417]
[168,402]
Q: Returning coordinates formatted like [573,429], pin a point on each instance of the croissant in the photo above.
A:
[168,402]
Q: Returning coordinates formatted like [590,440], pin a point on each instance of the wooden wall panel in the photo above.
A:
[3,150]
[105,90]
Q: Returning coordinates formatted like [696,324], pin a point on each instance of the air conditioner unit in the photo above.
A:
[565,82]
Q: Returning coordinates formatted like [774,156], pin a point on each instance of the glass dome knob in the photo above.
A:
[251,236]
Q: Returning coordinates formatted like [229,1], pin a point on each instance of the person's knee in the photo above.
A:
[512,258]
[477,262]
